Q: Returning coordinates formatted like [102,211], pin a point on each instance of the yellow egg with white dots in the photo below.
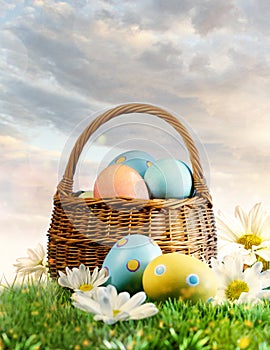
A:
[179,276]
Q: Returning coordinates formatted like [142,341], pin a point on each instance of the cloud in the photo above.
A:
[25,178]
[255,14]
[64,62]
[209,16]
[95,62]
[27,182]
[81,59]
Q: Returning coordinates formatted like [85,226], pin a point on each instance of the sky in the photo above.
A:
[62,63]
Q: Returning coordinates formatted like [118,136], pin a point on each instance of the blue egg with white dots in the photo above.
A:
[179,276]
[127,260]
[138,160]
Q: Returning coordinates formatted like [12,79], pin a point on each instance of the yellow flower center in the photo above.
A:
[86,287]
[40,263]
[115,312]
[249,240]
[235,288]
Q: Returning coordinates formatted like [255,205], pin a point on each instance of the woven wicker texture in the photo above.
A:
[83,230]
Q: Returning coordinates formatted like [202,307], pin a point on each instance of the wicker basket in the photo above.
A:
[83,230]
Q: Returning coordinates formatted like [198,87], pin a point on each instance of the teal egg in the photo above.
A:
[138,160]
[169,178]
[127,260]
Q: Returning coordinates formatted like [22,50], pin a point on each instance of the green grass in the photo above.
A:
[41,317]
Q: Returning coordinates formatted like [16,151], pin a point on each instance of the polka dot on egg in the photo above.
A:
[193,280]
[133,265]
[120,160]
[149,163]
[122,242]
[107,270]
[160,270]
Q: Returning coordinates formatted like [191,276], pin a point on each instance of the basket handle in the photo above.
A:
[66,184]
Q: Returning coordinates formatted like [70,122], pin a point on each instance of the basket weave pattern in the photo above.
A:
[83,230]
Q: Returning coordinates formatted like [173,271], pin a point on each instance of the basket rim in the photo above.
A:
[66,183]
[135,203]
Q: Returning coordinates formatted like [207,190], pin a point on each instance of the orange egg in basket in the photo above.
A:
[120,180]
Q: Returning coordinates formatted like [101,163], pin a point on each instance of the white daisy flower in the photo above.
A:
[238,285]
[33,264]
[249,235]
[110,307]
[81,279]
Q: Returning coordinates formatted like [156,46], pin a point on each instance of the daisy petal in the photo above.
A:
[255,216]
[234,264]
[248,298]
[225,230]
[81,301]
[263,253]
[265,279]
[105,319]
[134,301]
[34,263]
[264,294]
[110,307]
[81,278]
[237,285]
[121,299]
[243,217]
[122,316]
[112,292]
[32,254]
[252,276]
[253,236]
[143,311]
[264,228]
[106,307]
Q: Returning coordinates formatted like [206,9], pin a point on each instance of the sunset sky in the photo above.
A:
[63,62]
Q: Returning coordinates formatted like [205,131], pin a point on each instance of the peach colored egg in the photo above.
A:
[120,180]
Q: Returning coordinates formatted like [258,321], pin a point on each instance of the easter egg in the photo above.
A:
[120,180]
[175,275]
[86,194]
[138,160]
[127,260]
[169,178]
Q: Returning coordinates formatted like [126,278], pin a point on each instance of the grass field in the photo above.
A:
[42,317]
